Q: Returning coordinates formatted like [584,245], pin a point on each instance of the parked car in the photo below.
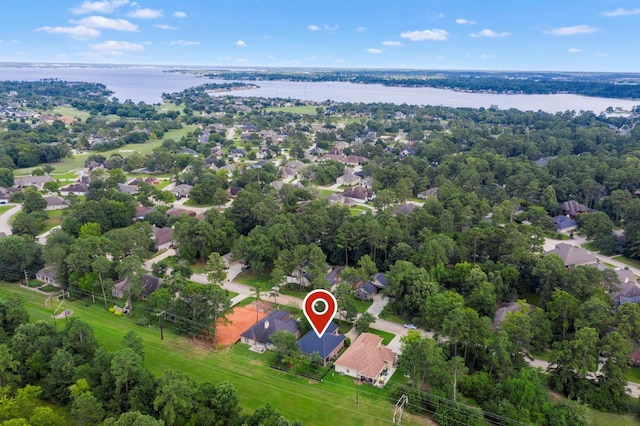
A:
[410,326]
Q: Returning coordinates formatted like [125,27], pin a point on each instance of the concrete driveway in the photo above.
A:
[6,216]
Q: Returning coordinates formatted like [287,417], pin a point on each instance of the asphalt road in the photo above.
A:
[6,216]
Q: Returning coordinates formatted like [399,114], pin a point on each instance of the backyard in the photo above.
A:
[332,401]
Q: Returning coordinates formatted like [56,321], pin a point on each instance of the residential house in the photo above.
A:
[366,182]
[5,193]
[327,347]
[48,275]
[628,290]
[149,285]
[78,188]
[573,208]
[404,209]
[379,280]
[565,224]
[188,151]
[573,256]
[431,192]
[181,191]
[367,360]
[354,160]
[177,212]
[366,291]
[348,178]
[260,333]
[127,189]
[503,310]
[237,153]
[55,202]
[142,210]
[162,237]
[359,194]
[26,181]
[233,191]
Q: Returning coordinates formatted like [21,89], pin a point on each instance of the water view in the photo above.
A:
[148,83]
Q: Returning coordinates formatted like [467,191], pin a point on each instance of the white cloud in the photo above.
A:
[98,7]
[313,27]
[489,34]
[485,56]
[331,27]
[462,21]
[340,61]
[180,14]
[392,43]
[184,43]
[621,12]
[107,23]
[79,32]
[576,29]
[434,34]
[574,50]
[166,27]
[271,57]
[374,51]
[240,43]
[112,47]
[362,29]
[145,14]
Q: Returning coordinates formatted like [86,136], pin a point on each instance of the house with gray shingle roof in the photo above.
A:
[260,333]
[573,256]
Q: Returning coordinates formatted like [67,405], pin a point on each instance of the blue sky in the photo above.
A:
[558,35]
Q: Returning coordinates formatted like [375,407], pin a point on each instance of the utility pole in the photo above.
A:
[397,414]
[64,301]
[357,382]
[160,321]
[26,279]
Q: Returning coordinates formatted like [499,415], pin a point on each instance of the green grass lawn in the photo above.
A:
[304,109]
[70,111]
[627,261]
[590,247]
[55,219]
[253,279]
[76,162]
[386,337]
[5,208]
[313,403]
[362,305]
[327,192]
[607,419]
[388,315]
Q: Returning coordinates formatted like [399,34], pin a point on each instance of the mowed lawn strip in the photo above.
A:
[77,161]
[330,402]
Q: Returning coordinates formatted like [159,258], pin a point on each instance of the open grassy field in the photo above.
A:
[77,161]
[305,109]
[329,402]
[55,219]
[69,111]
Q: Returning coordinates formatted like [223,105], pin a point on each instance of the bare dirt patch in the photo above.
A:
[238,321]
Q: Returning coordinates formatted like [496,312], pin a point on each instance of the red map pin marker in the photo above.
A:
[319,307]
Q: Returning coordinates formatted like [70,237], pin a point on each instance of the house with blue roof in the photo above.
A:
[365,291]
[565,224]
[327,347]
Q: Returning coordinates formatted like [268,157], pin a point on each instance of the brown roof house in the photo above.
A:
[367,360]
[573,256]
[348,178]
[573,208]
[163,237]
[359,194]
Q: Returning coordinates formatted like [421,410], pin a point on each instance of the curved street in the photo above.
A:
[6,217]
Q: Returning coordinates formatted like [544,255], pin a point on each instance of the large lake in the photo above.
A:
[148,83]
